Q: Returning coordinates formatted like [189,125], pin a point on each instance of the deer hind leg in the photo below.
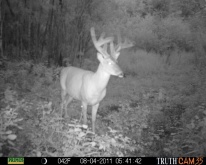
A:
[66,99]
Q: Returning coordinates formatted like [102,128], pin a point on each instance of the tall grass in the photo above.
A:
[149,71]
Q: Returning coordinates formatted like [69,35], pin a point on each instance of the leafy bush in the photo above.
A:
[186,136]
[160,36]
[9,121]
[78,142]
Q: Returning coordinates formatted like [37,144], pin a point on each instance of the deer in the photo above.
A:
[87,86]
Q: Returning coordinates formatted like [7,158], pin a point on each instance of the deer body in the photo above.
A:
[87,86]
[84,85]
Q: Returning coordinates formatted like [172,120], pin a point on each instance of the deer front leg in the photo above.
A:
[63,96]
[84,111]
[94,113]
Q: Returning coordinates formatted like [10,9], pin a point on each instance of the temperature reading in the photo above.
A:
[64,160]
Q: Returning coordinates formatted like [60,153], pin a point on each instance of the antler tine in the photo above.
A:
[102,35]
[119,41]
[112,49]
[105,47]
[115,49]
[101,42]
[125,44]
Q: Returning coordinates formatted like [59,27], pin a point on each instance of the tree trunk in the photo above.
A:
[29,32]
[1,30]
[50,46]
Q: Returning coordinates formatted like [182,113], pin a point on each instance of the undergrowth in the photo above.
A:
[42,131]
[159,114]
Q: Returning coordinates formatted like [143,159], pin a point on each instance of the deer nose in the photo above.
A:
[121,75]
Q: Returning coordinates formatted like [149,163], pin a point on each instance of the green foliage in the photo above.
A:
[44,130]
[174,99]
[9,121]
[141,63]
[165,114]
[162,36]
[126,118]
[179,132]
[37,79]
[80,142]
[155,25]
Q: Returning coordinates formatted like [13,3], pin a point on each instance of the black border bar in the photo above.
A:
[103,160]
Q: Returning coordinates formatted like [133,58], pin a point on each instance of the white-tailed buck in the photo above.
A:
[90,87]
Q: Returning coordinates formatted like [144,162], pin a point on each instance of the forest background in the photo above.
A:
[157,110]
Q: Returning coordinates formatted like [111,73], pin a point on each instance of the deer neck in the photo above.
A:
[101,77]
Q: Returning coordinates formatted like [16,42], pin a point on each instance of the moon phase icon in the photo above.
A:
[44,161]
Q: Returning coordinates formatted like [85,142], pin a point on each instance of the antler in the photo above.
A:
[125,44]
[101,42]
[115,50]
